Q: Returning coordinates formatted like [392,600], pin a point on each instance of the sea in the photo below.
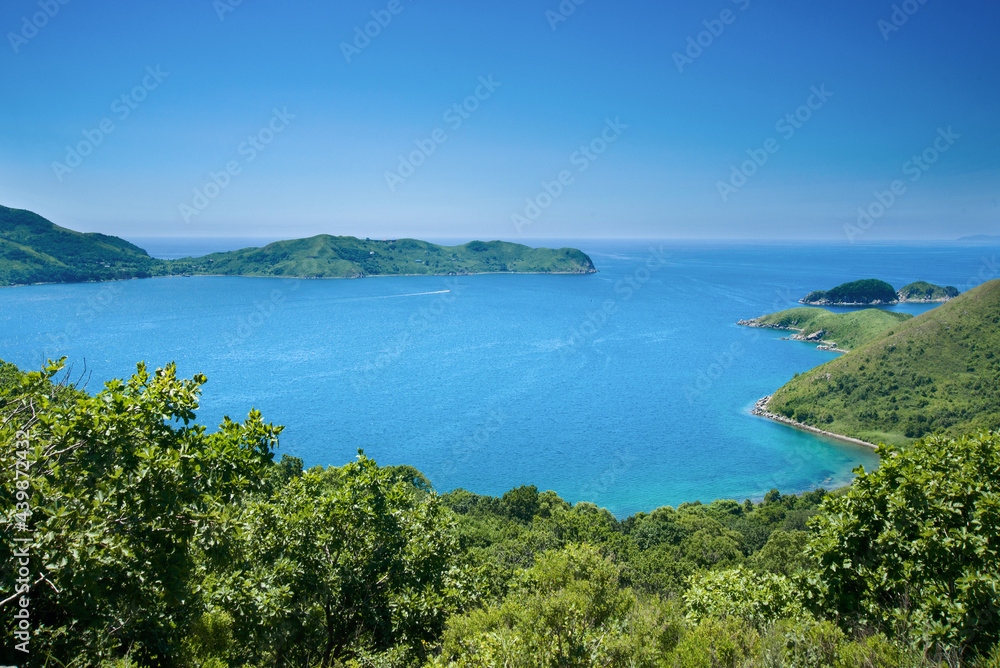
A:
[630,388]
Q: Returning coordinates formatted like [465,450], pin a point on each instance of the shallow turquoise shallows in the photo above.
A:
[630,388]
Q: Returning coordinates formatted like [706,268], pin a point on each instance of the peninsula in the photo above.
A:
[35,250]
[836,332]
[938,372]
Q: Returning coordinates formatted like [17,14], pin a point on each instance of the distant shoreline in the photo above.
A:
[760,410]
[312,278]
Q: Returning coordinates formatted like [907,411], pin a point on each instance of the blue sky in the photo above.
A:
[253,119]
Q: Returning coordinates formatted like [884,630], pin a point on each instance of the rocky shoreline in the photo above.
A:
[760,409]
[815,337]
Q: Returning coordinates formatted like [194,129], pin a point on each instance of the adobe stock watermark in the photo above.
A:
[464,449]
[699,42]
[581,159]
[363,36]
[989,269]
[914,168]
[122,107]
[454,116]
[899,17]
[223,7]
[254,318]
[419,323]
[23,537]
[30,25]
[786,126]
[625,289]
[707,376]
[248,150]
[94,307]
[595,489]
[562,13]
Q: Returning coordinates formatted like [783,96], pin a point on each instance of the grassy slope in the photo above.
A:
[325,256]
[33,250]
[847,330]
[938,372]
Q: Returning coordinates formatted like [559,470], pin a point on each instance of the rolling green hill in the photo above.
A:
[846,330]
[938,372]
[325,256]
[34,250]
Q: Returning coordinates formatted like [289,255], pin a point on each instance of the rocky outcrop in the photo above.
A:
[757,323]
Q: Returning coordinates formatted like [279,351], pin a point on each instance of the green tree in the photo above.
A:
[568,610]
[339,563]
[124,489]
[915,545]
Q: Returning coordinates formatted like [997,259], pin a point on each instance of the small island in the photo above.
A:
[874,292]
[34,250]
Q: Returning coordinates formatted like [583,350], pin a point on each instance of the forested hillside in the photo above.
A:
[154,542]
[33,250]
[936,373]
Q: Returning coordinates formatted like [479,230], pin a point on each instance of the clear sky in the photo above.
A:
[694,119]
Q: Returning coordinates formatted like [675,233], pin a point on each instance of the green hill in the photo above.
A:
[325,256]
[938,372]
[34,250]
[846,330]
[922,291]
[866,291]
[875,292]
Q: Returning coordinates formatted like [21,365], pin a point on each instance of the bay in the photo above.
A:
[630,388]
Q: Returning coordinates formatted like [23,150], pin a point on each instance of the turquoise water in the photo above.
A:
[630,388]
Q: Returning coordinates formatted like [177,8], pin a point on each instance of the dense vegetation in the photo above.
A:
[156,543]
[874,291]
[325,256]
[866,291]
[922,291]
[936,373]
[846,330]
[34,250]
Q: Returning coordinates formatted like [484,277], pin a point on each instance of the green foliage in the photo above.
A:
[339,562]
[914,547]
[783,554]
[848,330]
[757,599]
[123,489]
[936,373]
[159,544]
[567,610]
[865,291]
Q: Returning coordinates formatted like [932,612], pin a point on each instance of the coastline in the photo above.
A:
[760,410]
[828,346]
[313,278]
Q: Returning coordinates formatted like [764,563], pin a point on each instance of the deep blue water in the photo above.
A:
[630,388]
